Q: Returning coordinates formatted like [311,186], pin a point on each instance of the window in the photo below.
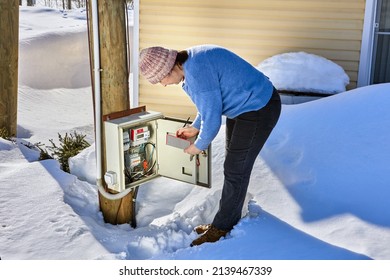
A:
[381,55]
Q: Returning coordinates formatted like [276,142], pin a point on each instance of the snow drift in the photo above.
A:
[303,72]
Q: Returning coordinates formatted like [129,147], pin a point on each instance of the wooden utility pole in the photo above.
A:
[114,88]
[9,46]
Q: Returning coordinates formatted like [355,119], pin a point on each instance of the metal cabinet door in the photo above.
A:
[174,163]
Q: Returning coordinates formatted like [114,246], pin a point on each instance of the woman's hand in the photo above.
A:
[192,150]
[187,132]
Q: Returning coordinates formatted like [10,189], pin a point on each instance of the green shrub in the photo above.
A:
[44,154]
[70,145]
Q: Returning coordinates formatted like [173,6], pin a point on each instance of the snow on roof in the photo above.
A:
[303,72]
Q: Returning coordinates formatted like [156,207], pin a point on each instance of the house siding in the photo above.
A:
[254,29]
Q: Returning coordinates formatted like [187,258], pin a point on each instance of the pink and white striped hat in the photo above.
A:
[156,62]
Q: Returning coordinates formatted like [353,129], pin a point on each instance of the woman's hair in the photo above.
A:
[181,57]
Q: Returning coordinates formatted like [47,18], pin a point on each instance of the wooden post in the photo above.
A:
[9,46]
[114,89]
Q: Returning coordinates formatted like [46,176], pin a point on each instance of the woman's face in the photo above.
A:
[174,77]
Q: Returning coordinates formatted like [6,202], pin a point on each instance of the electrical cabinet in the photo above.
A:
[144,146]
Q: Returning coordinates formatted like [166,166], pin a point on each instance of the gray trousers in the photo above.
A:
[245,136]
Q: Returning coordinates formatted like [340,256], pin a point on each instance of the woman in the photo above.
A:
[220,83]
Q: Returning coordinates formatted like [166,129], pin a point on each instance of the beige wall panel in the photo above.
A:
[255,29]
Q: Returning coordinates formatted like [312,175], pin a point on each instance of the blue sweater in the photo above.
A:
[220,83]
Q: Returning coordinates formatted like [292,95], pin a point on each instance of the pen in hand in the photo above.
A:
[184,125]
[186,122]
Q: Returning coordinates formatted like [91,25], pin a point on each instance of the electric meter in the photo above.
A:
[139,135]
[144,146]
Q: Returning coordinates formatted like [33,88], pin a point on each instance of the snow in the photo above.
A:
[315,74]
[319,189]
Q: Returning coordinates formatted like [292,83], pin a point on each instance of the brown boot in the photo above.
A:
[202,228]
[212,235]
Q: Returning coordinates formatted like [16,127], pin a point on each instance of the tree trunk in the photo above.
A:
[114,89]
[9,46]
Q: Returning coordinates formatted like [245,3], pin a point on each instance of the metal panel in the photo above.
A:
[134,157]
[115,152]
[174,163]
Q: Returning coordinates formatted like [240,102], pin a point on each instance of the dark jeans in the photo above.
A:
[245,137]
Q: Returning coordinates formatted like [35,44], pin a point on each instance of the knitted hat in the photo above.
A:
[156,62]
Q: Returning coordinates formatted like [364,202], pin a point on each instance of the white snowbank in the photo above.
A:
[43,68]
[303,72]
[83,165]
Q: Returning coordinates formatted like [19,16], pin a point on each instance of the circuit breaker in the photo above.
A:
[144,146]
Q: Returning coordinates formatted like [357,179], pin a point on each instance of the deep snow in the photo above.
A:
[319,190]
[316,74]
